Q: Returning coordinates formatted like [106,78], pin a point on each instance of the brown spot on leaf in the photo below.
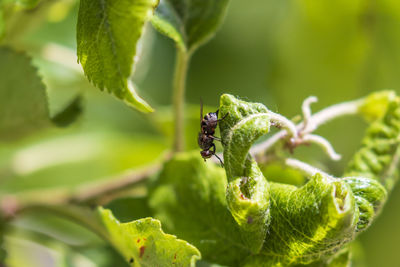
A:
[175,256]
[141,251]
[138,240]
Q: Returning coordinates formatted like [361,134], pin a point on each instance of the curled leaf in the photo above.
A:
[370,196]
[373,169]
[374,106]
[248,202]
[248,191]
[309,223]
[303,225]
[378,156]
[242,125]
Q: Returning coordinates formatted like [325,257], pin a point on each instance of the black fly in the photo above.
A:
[206,138]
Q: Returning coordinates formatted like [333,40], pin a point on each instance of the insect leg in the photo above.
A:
[222,164]
[223,117]
[215,138]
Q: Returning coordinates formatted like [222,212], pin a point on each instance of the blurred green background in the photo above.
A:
[277,52]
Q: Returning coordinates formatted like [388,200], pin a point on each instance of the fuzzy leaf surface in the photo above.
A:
[189,23]
[143,243]
[373,170]
[378,157]
[311,223]
[107,35]
[248,191]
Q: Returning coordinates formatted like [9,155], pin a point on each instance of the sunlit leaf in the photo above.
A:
[248,191]
[375,105]
[143,243]
[190,201]
[378,157]
[311,223]
[107,35]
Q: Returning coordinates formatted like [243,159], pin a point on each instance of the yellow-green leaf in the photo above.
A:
[143,243]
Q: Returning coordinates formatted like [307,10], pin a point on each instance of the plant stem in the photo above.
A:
[92,192]
[319,118]
[305,168]
[179,84]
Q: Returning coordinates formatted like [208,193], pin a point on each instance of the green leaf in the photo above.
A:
[69,114]
[310,222]
[143,243]
[190,201]
[375,105]
[127,209]
[23,98]
[279,173]
[378,157]
[370,196]
[305,225]
[242,125]
[107,35]
[248,191]
[189,23]
[340,259]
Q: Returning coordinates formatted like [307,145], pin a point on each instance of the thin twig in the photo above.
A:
[307,109]
[316,120]
[10,205]
[305,168]
[283,122]
[322,142]
[92,192]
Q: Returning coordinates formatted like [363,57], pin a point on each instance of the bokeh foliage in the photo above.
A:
[275,52]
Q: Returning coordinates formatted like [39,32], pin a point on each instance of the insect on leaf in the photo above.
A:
[311,223]
[248,195]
